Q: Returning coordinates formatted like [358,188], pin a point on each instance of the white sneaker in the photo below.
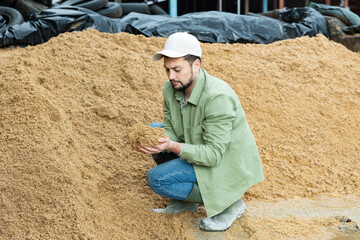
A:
[223,220]
[177,206]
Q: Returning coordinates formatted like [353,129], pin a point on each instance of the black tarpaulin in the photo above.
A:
[210,26]
[225,27]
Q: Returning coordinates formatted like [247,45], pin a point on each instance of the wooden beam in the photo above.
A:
[281,4]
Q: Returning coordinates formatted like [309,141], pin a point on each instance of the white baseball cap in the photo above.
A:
[179,44]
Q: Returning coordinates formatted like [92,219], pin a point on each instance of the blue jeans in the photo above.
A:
[173,178]
[156,125]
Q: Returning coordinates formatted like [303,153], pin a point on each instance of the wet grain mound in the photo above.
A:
[67,172]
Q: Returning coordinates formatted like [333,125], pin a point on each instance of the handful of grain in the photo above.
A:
[139,134]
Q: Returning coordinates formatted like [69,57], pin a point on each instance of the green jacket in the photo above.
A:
[217,140]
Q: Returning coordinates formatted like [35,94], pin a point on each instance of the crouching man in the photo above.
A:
[213,154]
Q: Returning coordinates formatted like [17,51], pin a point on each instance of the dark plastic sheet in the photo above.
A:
[343,14]
[225,27]
[2,21]
[51,22]
[210,26]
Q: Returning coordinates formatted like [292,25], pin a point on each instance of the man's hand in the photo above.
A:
[164,144]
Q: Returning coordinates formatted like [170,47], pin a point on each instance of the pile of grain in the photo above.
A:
[67,172]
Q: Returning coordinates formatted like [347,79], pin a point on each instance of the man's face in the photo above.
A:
[180,73]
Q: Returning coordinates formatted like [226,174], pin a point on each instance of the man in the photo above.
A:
[215,157]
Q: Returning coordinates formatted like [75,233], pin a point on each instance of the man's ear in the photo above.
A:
[196,65]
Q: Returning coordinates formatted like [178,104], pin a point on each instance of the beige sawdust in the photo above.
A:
[139,134]
[67,171]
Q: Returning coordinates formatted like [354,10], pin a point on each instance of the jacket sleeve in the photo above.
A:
[169,131]
[215,132]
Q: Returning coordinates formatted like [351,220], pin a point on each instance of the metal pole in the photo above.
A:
[173,8]
[238,6]
[328,2]
[246,6]
[265,5]
[220,5]
[346,3]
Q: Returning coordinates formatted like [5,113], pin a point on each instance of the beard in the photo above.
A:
[182,87]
